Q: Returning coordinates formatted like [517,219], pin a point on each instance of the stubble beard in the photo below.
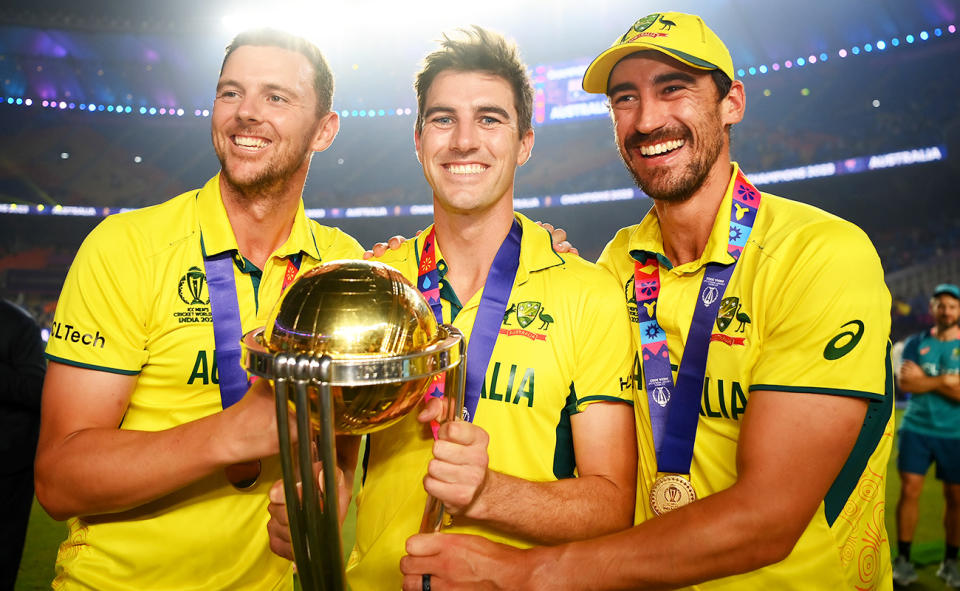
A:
[669,184]
[273,178]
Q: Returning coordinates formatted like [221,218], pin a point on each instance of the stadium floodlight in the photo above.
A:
[331,24]
[924,35]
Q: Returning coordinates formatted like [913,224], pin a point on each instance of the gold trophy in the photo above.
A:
[351,347]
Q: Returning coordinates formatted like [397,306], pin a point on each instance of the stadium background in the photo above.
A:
[852,106]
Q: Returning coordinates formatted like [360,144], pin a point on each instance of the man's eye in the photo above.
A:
[442,120]
[275,98]
[487,120]
[229,94]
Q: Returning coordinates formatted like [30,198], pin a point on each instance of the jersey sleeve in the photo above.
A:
[911,349]
[827,325]
[603,348]
[102,314]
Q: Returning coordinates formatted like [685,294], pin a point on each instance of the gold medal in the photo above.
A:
[669,492]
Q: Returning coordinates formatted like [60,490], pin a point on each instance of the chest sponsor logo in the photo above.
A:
[731,315]
[75,334]
[193,292]
[844,342]
[925,350]
[527,314]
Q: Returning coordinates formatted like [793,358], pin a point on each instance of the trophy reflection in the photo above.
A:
[351,348]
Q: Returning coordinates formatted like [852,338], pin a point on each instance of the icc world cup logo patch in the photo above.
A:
[193,288]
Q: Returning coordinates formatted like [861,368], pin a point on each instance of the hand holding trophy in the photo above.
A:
[351,347]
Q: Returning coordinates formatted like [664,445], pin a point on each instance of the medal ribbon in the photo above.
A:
[428,282]
[493,304]
[674,409]
[227,327]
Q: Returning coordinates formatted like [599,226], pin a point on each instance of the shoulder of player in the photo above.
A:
[792,228]
[333,243]
[148,231]
[579,277]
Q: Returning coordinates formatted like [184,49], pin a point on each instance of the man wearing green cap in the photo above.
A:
[928,431]
[764,409]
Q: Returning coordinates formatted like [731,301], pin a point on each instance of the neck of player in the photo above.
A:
[686,225]
[469,242]
[262,220]
[947,333]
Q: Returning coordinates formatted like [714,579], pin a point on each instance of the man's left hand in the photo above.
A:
[458,471]
[458,561]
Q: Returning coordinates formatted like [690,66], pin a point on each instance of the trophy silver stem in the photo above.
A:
[432,521]
[351,348]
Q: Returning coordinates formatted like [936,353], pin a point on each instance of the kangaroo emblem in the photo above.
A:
[506,315]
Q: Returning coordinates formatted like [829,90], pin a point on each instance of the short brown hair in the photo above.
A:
[479,50]
[322,75]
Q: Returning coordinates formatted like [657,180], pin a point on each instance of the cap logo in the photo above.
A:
[639,27]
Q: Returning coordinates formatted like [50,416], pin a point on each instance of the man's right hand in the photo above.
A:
[278,528]
[381,247]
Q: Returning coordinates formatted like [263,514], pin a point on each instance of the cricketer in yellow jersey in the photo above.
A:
[792,410]
[554,399]
[134,444]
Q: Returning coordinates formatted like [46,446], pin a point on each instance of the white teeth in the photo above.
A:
[248,142]
[466,168]
[661,148]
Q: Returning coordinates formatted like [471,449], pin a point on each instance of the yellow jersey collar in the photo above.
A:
[536,249]
[646,238]
[218,233]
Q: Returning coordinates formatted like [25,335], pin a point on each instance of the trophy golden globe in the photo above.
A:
[351,348]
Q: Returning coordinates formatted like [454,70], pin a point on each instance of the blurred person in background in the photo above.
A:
[930,431]
[21,380]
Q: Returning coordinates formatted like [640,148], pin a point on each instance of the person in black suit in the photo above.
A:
[21,379]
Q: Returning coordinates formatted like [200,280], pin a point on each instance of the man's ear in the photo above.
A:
[733,105]
[326,131]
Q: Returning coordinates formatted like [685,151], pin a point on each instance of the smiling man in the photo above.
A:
[760,328]
[152,442]
[548,452]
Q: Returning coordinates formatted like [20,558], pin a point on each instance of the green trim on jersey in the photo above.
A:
[601,398]
[874,425]
[564,457]
[811,390]
[125,372]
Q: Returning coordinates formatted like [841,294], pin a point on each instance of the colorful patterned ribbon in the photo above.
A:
[674,410]
[486,325]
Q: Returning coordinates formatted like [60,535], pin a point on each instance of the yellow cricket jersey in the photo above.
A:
[564,343]
[135,302]
[806,311]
